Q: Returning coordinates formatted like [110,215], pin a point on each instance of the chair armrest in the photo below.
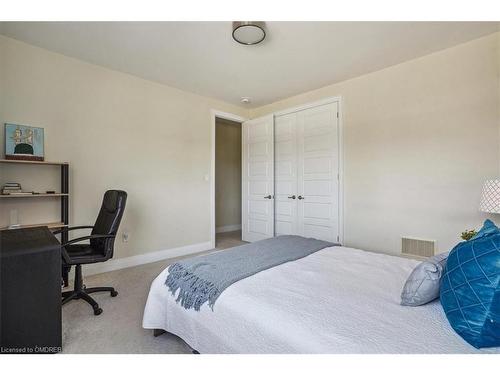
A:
[80,239]
[71,228]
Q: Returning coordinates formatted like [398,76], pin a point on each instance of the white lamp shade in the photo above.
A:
[490,199]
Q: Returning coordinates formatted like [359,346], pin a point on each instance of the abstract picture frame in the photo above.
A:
[24,142]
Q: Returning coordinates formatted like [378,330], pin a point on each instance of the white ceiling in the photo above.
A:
[201,57]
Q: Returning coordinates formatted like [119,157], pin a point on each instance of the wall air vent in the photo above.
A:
[417,247]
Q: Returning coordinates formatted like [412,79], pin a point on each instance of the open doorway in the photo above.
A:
[227,183]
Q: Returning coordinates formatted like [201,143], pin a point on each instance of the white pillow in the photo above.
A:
[422,286]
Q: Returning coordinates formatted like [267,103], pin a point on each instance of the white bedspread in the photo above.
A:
[337,300]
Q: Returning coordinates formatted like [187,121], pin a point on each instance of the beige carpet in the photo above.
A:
[119,328]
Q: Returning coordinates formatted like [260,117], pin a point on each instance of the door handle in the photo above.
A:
[268,197]
[301,197]
[291,197]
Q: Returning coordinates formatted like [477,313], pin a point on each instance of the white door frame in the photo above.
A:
[232,117]
[226,116]
[338,100]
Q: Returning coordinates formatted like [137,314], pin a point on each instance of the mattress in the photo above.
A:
[337,300]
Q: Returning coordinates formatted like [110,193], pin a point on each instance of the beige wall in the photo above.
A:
[498,107]
[227,173]
[117,131]
[419,140]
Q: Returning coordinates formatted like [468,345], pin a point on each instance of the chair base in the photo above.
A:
[81,292]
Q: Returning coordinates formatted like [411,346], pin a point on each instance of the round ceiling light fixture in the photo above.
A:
[249,32]
[246,100]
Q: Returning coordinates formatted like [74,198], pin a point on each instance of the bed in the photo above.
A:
[336,300]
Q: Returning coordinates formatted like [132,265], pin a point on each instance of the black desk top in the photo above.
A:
[26,241]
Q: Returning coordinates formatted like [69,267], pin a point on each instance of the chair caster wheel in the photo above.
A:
[98,311]
[114,293]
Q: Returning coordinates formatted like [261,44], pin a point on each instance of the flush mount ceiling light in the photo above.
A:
[249,32]
[246,100]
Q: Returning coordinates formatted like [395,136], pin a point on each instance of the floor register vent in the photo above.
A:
[418,247]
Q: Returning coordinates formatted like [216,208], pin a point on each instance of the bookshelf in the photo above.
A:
[56,225]
[63,195]
[33,195]
[9,161]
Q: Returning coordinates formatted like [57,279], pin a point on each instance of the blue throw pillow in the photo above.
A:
[488,228]
[470,292]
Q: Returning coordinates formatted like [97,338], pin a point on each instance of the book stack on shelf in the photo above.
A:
[13,188]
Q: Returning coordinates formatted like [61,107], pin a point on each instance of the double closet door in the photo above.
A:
[291,175]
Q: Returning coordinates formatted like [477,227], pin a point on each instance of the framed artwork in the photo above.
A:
[23,142]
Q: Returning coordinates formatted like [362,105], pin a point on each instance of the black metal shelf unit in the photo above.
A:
[63,195]
[65,199]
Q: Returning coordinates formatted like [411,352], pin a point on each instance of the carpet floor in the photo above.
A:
[119,328]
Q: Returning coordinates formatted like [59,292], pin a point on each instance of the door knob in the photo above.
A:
[268,197]
[301,197]
[291,197]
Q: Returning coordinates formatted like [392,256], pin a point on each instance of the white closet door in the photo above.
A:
[318,168]
[258,179]
[285,154]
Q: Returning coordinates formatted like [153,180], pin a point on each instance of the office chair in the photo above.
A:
[100,248]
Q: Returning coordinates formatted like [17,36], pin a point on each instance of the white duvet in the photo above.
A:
[337,300]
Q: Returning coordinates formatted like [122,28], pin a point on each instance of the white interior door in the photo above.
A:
[258,179]
[318,172]
[285,154]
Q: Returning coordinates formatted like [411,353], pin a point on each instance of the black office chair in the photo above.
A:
[100,248]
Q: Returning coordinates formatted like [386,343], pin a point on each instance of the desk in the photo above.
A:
[30,291]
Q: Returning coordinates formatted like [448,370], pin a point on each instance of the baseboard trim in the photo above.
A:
[228,228]
[137,260]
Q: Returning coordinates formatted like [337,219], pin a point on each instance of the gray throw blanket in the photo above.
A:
[204,278]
